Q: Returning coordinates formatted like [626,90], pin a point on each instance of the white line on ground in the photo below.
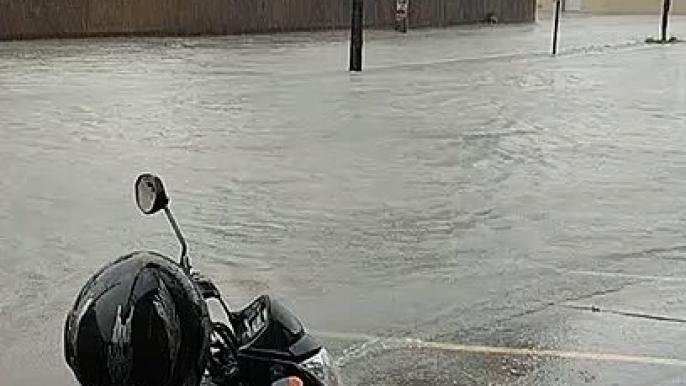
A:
[626,275]
[495,350]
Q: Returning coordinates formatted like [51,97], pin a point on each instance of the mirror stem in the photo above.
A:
[184,248]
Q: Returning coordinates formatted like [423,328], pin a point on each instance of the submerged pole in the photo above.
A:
[665,20]
[356,35]
[401,17]
[556,28]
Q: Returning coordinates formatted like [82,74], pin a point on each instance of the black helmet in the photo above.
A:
[139,321]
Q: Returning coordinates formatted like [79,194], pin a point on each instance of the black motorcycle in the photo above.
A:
[263,344]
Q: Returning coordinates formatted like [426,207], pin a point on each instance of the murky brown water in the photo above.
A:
[459,200]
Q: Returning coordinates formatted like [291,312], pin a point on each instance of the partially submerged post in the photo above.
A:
[665,20]
[556,28]
[401,19]
[356,37]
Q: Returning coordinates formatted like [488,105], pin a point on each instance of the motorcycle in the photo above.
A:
[262,344]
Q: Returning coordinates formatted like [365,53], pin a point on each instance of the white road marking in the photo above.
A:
[625,275]
[497,350]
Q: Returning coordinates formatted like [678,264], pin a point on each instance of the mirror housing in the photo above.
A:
[150,194]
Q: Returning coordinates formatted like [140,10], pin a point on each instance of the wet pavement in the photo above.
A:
[468,211]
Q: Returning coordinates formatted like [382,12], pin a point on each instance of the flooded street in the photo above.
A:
[463,199]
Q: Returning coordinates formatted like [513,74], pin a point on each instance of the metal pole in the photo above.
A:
[401,16]
[185,263]
[556,29]
[665,19]
[356,35]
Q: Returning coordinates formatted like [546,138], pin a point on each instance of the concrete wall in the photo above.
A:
[545,5]
[631,6]
[76,18]
[620,6]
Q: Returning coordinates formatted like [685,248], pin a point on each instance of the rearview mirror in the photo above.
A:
[150,194]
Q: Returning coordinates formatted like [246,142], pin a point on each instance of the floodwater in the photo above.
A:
[465,197]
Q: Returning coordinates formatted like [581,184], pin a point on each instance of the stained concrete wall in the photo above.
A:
[77,18]
[620,6]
